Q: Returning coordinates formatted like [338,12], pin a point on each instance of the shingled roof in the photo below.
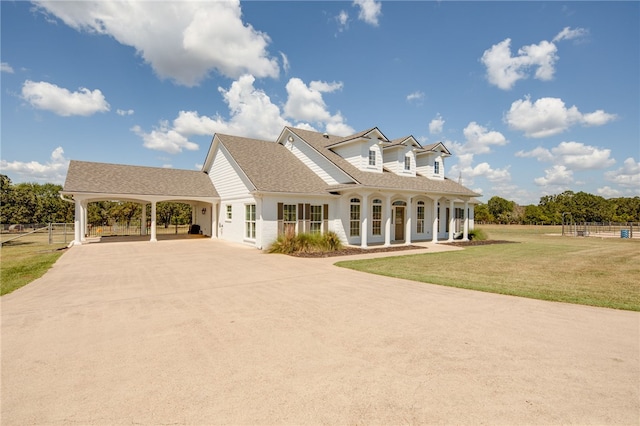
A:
[120,179]
[271,167]
[384,180]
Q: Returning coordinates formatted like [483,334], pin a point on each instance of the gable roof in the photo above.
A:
[104,178]
[271,167]
[384,180]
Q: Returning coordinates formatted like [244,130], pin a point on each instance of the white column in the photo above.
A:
[364,220]
[434,225]
[77,224]
[83,219]
[153,222]
[259,242]
[465,234]
[387,222]
[407,225]
[442,222]
[143,220]
[451,220]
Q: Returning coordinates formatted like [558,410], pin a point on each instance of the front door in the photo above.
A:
[399,222]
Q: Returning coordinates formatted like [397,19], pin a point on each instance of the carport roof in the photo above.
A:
[104,178]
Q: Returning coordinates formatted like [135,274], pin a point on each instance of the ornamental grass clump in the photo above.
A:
[306,243]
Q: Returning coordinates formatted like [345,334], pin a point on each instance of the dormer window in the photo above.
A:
[436,168]
[407,163]
[372,157]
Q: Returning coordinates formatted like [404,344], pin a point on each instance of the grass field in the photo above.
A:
[25,259]
[591,271]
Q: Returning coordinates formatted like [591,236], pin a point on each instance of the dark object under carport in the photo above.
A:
[194,229]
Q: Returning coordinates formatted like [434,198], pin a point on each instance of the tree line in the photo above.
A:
[34,203]
[568,206]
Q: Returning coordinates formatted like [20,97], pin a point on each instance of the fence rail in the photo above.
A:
[52,233]
[602,229]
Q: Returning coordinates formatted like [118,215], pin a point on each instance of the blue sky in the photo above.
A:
[532,98]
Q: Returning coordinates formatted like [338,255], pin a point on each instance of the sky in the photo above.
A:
[531,98]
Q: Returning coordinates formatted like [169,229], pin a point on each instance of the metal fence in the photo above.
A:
[51,233]
[133,228]
[602,229]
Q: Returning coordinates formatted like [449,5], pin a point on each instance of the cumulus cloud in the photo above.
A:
[5,67]
[436,125]
[285,63]
[182,41]
[370,11]
[608,192]
[60,101]
[251,114]
[550,116]
[572,155]
[468,172]
[628,175]
[479,140]
[557,176]
[53,171]
[124,112]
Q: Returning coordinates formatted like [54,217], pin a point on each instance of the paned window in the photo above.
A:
[354,222]
[376,217]
[436,168]
[289,219]
[316,219]
[407,163]
[229,212]
[372,157]
[250,221]
[420,218]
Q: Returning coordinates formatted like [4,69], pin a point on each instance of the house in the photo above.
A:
[366,188]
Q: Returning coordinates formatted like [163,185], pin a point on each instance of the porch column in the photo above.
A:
[442,225]
[387,221]
[83,206]
[259,242]
[452,220]
[77,224]
[407,226]
[153,223]
[143,220]
[434,225]
[465,233]
[364,220]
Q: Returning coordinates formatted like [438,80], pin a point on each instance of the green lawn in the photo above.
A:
[24,260]
[591,271]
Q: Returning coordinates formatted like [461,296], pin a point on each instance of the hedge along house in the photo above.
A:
[367,189]
[89,182]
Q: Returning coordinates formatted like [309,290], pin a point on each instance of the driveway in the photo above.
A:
[206,332]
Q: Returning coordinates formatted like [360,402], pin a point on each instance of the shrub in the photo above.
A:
[477,234]
[305,243]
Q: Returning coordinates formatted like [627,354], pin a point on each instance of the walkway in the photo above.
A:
[206,332]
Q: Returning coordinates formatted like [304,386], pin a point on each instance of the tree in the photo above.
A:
[501,209]
[481,214]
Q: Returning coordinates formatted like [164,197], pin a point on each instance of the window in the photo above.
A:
[376,217]
[436,167]
[250,221]
[420,218]
[316,219]
[289,219]
[372,157]
[354,222]
[229,214]
[407,163]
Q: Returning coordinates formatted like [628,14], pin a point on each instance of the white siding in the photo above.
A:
[317,163]
[394,160]
[353,153]
[226,176]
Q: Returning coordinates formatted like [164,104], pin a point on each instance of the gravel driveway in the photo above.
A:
[206,332]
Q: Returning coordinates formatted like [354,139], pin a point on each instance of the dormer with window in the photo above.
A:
[430,161]
[400,156]
[363,150]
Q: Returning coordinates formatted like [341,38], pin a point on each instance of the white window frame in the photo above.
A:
[376,217]
[372,157]
[229,215]
[420,210]
[436,168]
[354,217]
[250,221]
[407,163]
[315,220]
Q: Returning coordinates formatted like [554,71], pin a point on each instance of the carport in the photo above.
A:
[89,182]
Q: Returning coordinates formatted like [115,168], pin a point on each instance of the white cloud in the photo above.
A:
[163,138]
[285,63]
[572,155]
[628,175]
[416,96]
[465,169]
[47,96]
[550,116]
[5,67]
[54,171]
[124,112]
[479,140]
[436,125]
[557,176]
[182,41]
[504,70]
[343,21]
[569,34]
[305,103]
[608,192]
[370,11]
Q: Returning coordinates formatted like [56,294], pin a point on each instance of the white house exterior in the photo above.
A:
[369,190]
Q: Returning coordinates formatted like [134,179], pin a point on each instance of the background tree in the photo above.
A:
[501,209]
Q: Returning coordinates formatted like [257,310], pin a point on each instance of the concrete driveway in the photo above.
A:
[205,332]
